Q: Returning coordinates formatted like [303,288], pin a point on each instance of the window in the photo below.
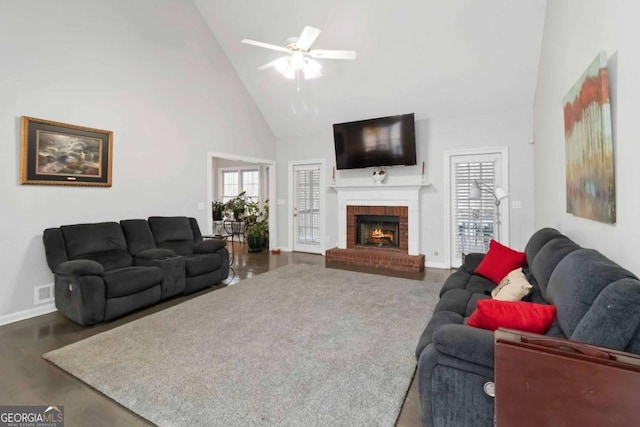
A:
[307,204]
[474,220]
[250,183]
[236,180]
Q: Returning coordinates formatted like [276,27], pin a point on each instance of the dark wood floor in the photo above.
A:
[27,379]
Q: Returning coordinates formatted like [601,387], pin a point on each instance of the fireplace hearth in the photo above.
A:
[377,231]
[385,247]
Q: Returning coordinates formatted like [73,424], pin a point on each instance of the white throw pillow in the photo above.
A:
[513,287]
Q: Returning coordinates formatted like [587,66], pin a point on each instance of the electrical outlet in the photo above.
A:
[201,206]
[516,204]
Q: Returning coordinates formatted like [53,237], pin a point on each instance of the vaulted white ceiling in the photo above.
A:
[436,58]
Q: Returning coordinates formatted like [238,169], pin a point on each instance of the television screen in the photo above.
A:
[386,141]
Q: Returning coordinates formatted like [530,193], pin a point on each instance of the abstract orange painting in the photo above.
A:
[591,190]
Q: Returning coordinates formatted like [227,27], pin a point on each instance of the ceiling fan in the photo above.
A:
[301,58]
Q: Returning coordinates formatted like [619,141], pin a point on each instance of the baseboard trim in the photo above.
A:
[27,314]
[435,265]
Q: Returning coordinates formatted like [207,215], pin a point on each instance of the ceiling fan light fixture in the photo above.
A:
[312,69]
[301,58]
[282,64]
[297,60]
[290,72]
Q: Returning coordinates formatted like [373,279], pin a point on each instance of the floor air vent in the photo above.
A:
[43,293]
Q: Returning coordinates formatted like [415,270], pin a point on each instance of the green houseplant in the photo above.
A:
[217,209]
[256,220]
[238,205]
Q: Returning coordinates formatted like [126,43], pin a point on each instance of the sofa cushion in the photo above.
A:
[459,301]
[111,260]
[209,246]
[438,319]
[470,282]
[613,318]
[131,280]
[202,263]
[548,258]
[538,240]
[138,235]
[499,261]
[83,239]
[577,281]
[54,247]
[170,228]
[513,287]
[155,253]
[524,316]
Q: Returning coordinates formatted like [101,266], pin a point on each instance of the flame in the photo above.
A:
[378,233]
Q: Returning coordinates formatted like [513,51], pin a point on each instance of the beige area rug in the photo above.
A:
[298,346]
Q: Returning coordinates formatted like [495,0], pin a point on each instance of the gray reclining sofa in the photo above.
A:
[597,302]
[106,270]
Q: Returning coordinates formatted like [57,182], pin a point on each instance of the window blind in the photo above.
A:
[308,205]
[474,219]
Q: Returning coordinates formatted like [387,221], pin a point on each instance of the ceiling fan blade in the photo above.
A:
[308,36]
[272,63]
[332,54]
[265,45]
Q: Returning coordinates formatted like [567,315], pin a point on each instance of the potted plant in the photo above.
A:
[255,235]
[256,220]
[238,205]
[217,209]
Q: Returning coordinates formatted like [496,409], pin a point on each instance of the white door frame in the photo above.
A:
[504,173]
[323,217]
[272,188]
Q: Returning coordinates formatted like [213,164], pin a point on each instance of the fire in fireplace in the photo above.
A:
[377,230]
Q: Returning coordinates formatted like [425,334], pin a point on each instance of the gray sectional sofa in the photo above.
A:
[597,302]
[106,270]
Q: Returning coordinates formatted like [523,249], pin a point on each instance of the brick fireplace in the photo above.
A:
[390,213]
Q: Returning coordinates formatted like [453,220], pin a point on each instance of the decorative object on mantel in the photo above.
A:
[333,176]
[422,179]
[55,153]
[591,187]
[379,175]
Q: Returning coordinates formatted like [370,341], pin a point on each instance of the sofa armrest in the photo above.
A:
[80,267]
[154,253]
[209,246]
[472,261]
[466,343]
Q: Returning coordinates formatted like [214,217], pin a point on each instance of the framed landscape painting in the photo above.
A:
[591,189]
[54,153]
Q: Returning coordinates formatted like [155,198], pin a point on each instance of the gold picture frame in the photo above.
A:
[54,153]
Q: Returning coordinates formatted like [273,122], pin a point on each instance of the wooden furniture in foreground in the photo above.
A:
[544,381]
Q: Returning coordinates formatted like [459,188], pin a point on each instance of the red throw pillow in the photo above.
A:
[524,316]
[499,261]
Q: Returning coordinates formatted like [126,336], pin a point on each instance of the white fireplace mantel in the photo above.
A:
[381,195]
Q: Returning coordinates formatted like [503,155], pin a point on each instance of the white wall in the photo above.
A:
[150,71]
[574,34]
[433,137]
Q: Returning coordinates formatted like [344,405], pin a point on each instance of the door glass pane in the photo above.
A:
[474,219]
[308,206]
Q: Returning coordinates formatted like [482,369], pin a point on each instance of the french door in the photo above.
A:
[473,223]
[306,207]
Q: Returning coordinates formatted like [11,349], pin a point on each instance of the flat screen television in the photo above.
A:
[386,141]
